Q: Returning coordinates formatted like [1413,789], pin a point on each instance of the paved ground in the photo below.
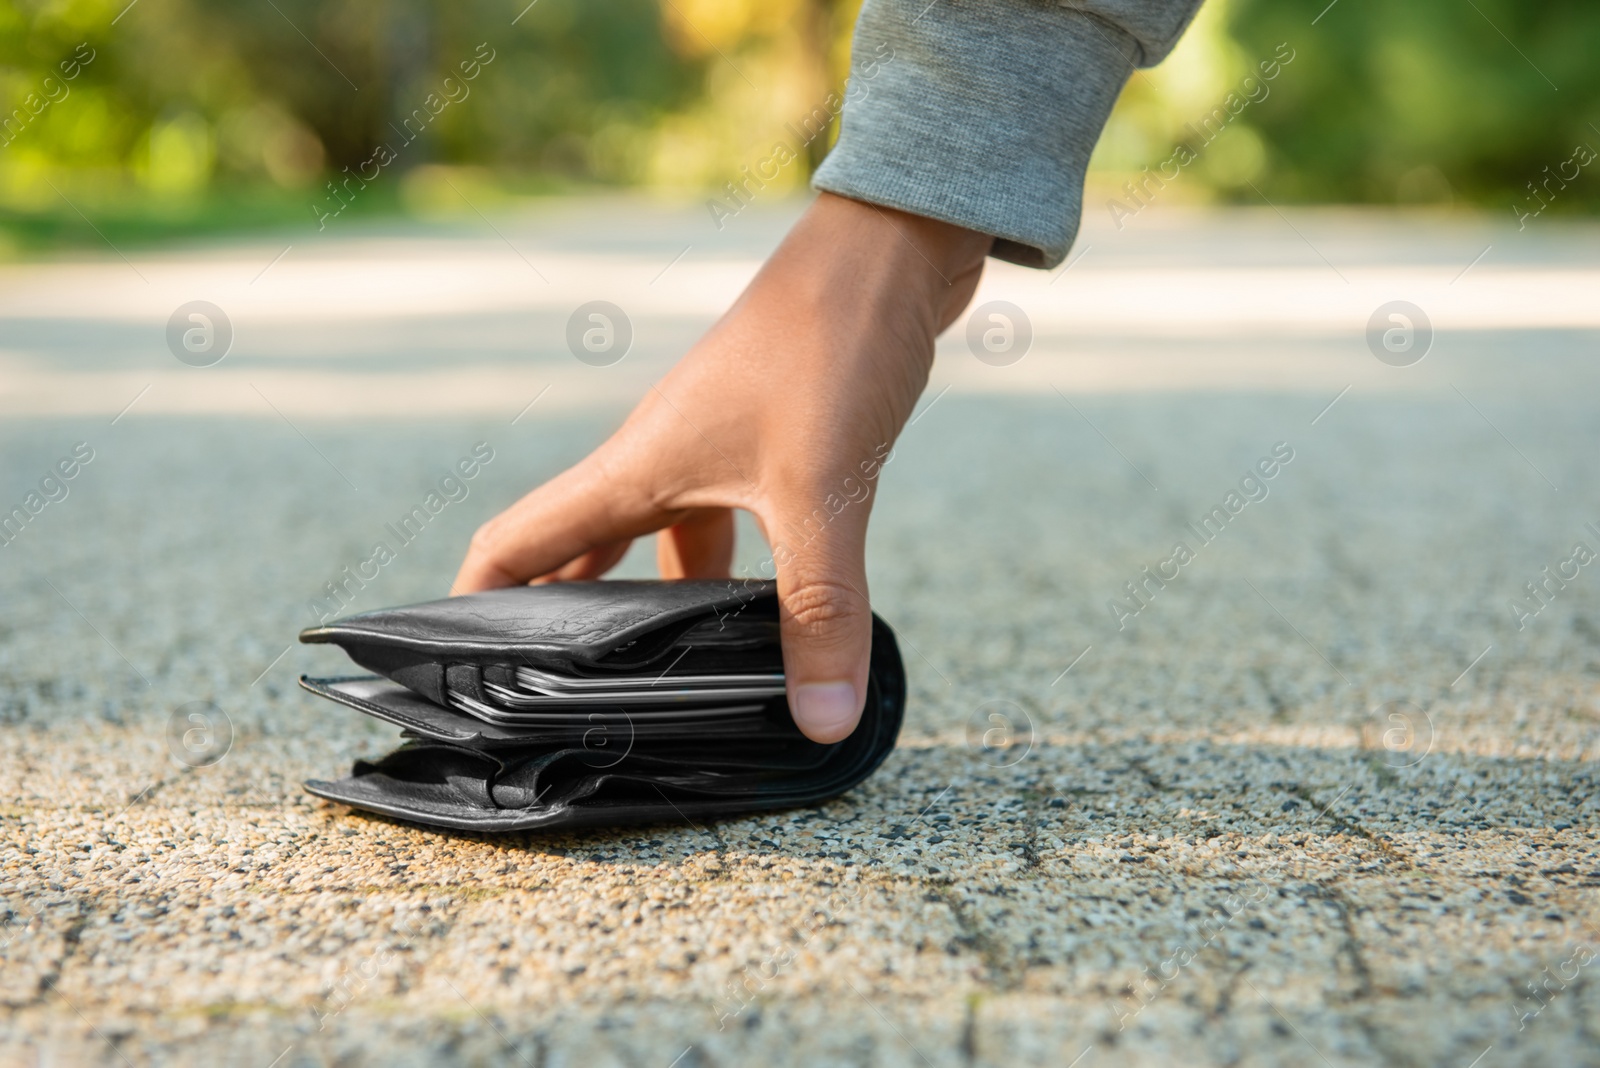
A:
[1320,800]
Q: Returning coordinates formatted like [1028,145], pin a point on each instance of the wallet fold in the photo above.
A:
[588,704]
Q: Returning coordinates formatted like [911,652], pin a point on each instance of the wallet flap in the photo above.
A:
[578,622]
[389,701]
[393,703]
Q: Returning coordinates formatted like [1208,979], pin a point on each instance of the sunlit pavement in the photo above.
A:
[1319,788]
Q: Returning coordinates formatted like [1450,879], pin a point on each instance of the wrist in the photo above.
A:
[945,248]
[920,258]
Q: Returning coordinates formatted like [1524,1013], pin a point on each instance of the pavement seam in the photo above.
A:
[1351,827]
[1004,974]
[969,1031]
[1578,987]
[1035,809]
[1280,711]
[721,851]
[1137,763]
[1351,946]
[408,974]
[70,940]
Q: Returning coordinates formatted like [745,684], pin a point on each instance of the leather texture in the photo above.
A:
[474,759]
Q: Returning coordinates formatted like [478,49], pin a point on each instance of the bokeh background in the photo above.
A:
[186,117]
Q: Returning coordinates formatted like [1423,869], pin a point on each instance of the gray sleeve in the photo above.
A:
[983,113]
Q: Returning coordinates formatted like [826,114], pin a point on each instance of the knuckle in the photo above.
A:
[484,544]
[820,609]
[487,553]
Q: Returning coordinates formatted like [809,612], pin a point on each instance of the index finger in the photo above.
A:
[583,508]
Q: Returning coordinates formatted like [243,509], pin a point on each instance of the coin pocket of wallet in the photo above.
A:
[591,704]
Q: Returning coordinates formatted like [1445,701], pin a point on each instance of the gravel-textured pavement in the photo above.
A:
[1324,795]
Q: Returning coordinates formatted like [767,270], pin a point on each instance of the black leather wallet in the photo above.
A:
[584,704]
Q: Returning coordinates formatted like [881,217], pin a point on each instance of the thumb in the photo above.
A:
[824,618]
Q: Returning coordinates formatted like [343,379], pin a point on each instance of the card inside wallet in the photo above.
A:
[592,704]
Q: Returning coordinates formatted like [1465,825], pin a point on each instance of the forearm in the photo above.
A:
[984,114]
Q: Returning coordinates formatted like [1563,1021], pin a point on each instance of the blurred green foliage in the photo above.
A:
[1443,102]
[177,115]
[181,114]
[1429,100]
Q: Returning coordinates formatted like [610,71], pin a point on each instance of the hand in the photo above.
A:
[808,377]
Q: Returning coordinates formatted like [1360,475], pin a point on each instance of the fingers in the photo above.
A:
[578,524]
[825,620]
[698,546]
[591,565]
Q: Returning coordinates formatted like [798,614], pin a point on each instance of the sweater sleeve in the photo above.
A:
[983,113]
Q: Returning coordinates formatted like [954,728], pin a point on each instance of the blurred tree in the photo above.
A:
[172,104]
[1432,100]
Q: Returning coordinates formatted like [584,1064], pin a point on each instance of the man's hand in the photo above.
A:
[792,398]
